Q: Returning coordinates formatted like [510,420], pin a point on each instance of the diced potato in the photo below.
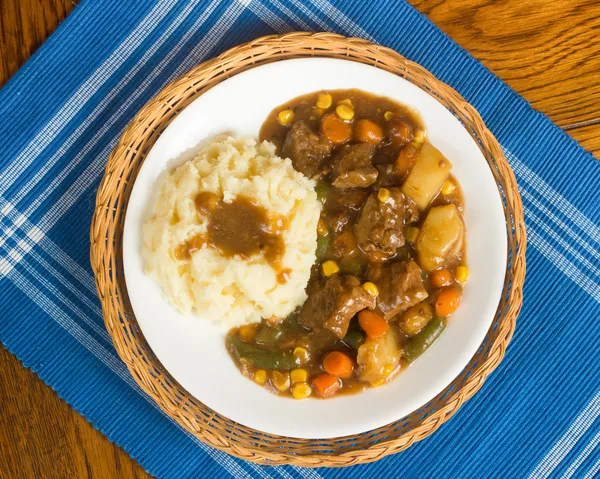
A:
[441,237]
[415,318]
[427,176]
[377,356]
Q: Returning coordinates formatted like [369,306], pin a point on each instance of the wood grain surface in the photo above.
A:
[41,436]
[548,51]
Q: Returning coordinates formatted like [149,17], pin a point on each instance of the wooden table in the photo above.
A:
[548,51]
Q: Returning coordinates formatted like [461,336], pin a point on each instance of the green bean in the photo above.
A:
[354,338]
[352,266]
[271,360]
[420,343]
[322,189]
[261,358]
[238,347]
[322,247]
[268,335]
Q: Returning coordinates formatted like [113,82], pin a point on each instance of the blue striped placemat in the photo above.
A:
[63,112]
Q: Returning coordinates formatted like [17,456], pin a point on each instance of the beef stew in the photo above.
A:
[390,252]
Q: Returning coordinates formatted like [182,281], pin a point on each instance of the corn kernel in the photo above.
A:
[379,382]
[285,117]
[301,355]
[281,380]
[346,101]
[371,288]
[260,377]
[345,112]
[448,187]
[461,274]
[324,100]
[322,228]
[411,234]
[247,332]
[299,376]
[330,267]
[388,115]
[301,391]
[383,194]
[388,369]
[419,136]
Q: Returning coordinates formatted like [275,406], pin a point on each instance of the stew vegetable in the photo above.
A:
[390,252]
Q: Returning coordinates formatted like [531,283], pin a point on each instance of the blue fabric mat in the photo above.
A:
[63,112]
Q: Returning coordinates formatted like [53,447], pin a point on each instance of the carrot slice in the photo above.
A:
[367,131]
[447,301]
[338,364]
[373,324]
[326,385]
[337,130]
[405,160]
[440,278]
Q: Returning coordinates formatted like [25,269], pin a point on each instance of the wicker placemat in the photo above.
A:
[106,257]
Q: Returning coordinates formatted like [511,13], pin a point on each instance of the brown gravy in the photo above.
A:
[239,228]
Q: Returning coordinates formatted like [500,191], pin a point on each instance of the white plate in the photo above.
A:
[192,349]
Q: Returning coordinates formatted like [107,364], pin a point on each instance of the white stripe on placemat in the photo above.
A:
[42,279]
[553,197]
[558,239]
[35,236]
[563,264]
[593,444]
[563,227]
[593,472]
[269,18]
[342,20]
[569,439]
[87,89]
[290,14]
[72,266]
[300,6]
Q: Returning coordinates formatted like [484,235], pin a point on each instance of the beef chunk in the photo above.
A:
[306,149]
[333,306]
[353,199]
[337,222]
[385,155]
[400,286]
[380,228]
[352,167]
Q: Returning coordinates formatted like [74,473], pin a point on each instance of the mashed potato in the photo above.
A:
[231,290]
